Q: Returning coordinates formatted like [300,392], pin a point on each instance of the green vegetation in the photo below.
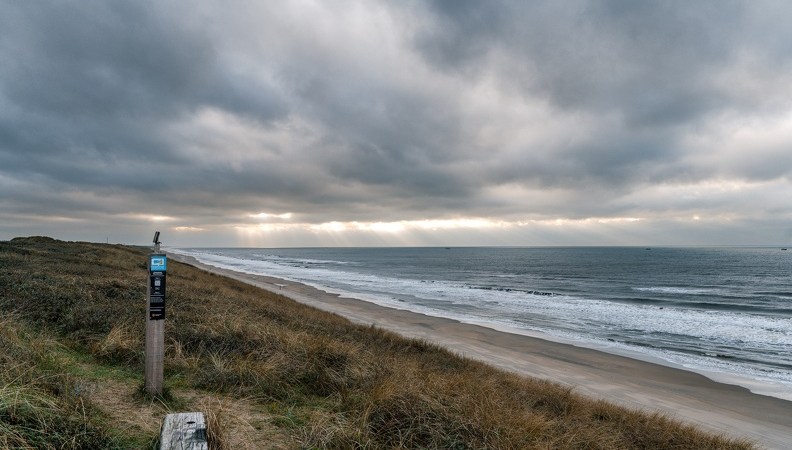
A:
[267,371]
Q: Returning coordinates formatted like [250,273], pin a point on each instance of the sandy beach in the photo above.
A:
[684,395]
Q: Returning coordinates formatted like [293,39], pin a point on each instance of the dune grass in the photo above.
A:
[267,371]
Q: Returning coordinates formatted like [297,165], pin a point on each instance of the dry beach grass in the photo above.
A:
[267,371]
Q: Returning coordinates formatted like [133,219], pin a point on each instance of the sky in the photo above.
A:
[397,123]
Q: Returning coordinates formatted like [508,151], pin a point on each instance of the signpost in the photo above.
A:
[157,266]
[155,319]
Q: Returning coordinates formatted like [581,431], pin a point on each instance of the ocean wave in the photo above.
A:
[523,291]
[676,290]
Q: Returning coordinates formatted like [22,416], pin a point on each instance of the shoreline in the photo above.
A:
[638,384]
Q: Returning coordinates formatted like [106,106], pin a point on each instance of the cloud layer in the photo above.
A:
[397,123]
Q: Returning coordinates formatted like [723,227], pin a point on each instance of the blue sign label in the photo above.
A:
[157,263]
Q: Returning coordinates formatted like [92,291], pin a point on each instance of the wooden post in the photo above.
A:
[155,323]
[155,356]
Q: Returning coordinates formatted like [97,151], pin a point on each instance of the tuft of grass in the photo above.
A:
[71,322]
[217,424]
[41,406]
[120,345]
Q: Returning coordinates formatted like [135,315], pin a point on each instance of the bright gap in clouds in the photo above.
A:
[443,232]
[422,225]
[275,216]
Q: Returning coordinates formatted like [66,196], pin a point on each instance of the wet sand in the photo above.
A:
[688,396]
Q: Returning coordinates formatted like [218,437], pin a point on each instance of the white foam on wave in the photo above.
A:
[676,290]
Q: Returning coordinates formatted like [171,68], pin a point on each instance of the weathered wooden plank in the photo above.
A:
[184,431]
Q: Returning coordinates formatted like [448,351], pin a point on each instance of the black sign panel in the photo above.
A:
[157,266]
[156,312]
[157,285]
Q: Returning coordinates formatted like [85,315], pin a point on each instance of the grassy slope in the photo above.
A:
[269,372]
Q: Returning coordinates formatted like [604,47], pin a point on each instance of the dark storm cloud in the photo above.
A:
[651,62]
[101,61]
[660,70]
[382,111]
[90,100]
[89,88]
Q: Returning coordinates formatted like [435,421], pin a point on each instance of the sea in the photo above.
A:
[725,312]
